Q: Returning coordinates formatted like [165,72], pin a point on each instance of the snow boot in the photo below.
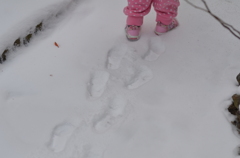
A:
[161,28]
[133,32]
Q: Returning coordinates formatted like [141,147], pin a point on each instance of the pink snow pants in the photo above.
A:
[137,9]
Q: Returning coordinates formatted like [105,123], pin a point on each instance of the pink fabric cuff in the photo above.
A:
[164,20]
[131,20]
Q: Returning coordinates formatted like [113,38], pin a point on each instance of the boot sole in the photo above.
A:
[132,38]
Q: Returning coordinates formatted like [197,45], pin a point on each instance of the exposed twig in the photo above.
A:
[229,27]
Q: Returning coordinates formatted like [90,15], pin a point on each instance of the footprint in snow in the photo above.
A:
[113,113]
[98,83]
[156,48]
[90,152]
[117,53]
[60,136]
[142,75]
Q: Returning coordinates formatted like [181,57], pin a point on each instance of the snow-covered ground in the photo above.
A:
[100,96]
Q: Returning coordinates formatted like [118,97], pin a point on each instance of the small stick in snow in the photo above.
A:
[55,43]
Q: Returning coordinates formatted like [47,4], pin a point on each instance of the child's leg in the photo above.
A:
[166,10]
[135,10]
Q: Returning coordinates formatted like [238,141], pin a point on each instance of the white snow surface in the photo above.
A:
[98,83]
[170,104]
[156,48]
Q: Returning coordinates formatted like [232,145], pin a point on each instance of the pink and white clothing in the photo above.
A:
[166,10]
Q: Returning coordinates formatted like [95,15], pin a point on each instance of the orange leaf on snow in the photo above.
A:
[55,43]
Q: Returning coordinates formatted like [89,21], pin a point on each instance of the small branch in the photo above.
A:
[229,27]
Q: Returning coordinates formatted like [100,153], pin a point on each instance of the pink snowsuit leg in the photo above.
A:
[137,9]
[166,10]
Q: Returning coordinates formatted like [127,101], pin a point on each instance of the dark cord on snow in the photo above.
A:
[229,27]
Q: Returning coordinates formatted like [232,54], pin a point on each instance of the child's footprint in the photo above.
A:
[60,136]
[156,48]
[115,111]
[117,53]
[142,75]
[98,83]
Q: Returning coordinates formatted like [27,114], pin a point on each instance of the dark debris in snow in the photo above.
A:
[21,41]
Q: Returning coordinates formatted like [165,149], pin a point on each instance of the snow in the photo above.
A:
[98,83]
[101,96]
[140,77]
[116,55]
[60,136]
[114,112]
[156,48]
